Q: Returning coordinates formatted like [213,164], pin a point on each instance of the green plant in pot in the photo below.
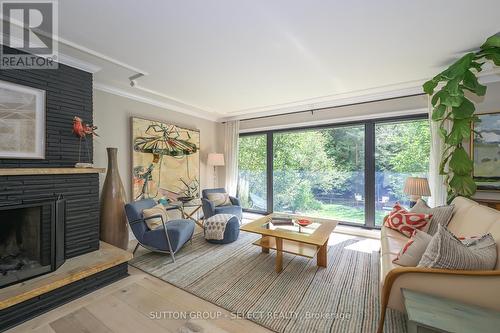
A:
[451,105]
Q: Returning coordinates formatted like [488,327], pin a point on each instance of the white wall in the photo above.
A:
[112,116]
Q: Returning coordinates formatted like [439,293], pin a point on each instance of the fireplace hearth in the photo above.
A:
[31,239]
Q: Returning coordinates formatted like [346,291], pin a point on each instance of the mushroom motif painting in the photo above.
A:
[166,160]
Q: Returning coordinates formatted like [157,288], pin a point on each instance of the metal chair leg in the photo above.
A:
[173,257]
[136,247]
[168,242]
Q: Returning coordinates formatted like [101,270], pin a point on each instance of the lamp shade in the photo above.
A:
[215,159]
[417,187]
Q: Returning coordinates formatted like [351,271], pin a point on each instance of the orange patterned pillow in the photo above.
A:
[405,222]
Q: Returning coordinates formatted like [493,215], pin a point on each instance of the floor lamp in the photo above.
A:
[215,160]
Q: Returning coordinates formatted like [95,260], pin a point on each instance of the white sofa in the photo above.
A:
[474,287]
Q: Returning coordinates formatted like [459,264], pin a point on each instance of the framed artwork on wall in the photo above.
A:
[485,152]
[22,122]
[165,160]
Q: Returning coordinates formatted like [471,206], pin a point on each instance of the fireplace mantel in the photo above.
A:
[48,171]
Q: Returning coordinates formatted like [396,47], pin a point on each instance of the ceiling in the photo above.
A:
[224,59]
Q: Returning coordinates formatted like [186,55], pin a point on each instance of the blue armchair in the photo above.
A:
[168,239]
[209,208]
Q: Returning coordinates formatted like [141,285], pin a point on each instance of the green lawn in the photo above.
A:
[345,213]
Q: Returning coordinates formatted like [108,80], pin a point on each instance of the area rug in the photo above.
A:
[344,297]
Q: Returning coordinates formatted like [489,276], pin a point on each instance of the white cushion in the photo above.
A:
[156,210]
[219,199]
[412,251]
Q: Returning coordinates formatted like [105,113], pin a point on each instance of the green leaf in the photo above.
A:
[493,41]
[460,131]
[449,100]
[463,185]
[442,133]
[437,97]
[429,87]
[453,87]
[477,66]
[472,84]
[465,110]
[495,57]
[460,162]
[438,112]
[458,68]
[443,164]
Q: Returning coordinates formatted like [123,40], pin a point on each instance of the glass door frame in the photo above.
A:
[269,168]
[369,125]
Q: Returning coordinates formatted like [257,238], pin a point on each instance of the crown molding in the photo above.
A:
[99,55]
[79,47]
[77,63]
[65,59]
[171,106]
[196,108]
[338,120]
[355,97]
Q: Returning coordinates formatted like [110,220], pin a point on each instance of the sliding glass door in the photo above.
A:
[402,150]
[320,173]
[252,165]
[350,172]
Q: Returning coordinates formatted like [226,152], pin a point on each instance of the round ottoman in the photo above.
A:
[230,234]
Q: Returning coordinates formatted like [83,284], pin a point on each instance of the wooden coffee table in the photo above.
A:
[291,238]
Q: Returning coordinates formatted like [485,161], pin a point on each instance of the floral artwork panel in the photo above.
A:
[165,160]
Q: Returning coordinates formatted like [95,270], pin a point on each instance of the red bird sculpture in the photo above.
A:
[81,130]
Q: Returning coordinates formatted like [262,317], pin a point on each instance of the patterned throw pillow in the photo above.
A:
[405,222]
[156,210]
[448,252]
[413,250]
[468,240]
[219,199]
[440,215]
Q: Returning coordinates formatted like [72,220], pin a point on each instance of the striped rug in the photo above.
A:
[344,297]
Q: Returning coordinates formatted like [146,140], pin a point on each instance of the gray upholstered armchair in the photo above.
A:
[168,239]
[209,208]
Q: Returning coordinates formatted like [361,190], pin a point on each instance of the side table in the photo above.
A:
[191,213]
[428,313]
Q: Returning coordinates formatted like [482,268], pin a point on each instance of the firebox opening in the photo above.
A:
[25,243]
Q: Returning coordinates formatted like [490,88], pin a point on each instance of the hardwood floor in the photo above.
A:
[138,303]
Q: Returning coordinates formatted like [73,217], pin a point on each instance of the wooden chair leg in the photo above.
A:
[383,308]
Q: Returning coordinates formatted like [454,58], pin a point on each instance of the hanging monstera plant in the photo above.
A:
[452,106]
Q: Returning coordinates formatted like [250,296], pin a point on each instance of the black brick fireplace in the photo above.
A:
[68,93]
[48,217]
